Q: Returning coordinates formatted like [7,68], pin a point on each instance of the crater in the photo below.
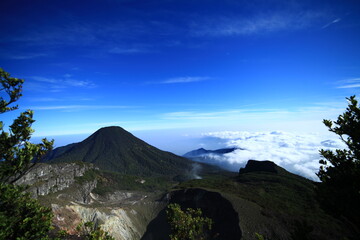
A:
[213,205]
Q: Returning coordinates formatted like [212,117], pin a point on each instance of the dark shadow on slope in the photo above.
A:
[158,228]
[212,204]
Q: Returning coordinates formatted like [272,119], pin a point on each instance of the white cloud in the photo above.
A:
[57,84]
[257,24]
[298,153]
[133,50]
[197,115]
[331,23]
[78,107]
[296,117]
[349,83]
[185,80]
[28,56]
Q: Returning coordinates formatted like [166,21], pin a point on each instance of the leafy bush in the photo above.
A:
[22,217]
[90,232]
[188,224]
[339,190]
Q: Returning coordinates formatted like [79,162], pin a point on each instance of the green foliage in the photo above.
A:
[188,224]
[89,175]
[12,87]
[62,234]
[16,152]
[283,197]
[109,182]
[340,170]
[90,232]
[258,236]
[21,217]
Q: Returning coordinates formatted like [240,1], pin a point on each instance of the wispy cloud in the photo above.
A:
[231,114]
[331,23]
[131,50]
[349,83]
[62,83]
[79,107]
[59,99]
[91,33]
[259,24]
[45,99]
[185,80]
[192,115]
[27,56]
[288,119]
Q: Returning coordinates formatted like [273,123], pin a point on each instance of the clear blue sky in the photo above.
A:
[187,64]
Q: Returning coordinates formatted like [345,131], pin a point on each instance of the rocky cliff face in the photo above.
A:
[49,178]
[67,188]
[119,222]
[124,215]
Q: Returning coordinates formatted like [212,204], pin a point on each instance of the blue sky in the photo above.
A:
[181,66]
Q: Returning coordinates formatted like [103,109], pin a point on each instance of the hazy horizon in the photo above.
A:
[296,152]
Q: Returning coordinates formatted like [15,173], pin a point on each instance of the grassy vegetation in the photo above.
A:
[110,181]
[284,198]
[89,176]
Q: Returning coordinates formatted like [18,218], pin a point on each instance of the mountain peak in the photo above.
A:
[201,152]
[111,131]
[115,149]
[111,128]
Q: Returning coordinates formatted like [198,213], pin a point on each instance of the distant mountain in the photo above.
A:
[114,149]
[201,152]
[214,157]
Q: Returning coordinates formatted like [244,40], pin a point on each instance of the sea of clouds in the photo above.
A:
[297,153]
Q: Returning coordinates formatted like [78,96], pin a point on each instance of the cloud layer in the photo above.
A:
[298,153]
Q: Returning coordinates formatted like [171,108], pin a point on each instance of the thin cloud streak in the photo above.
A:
[79,107]
[185,80]
[234,114]
[180,80]
[351,86]
[128,51]
[331,23]
[59,99]
[350,83]
[29,56]
[233,26]
[58,83]
[294,119]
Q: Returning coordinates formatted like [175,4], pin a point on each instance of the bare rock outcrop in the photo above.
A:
[49,178]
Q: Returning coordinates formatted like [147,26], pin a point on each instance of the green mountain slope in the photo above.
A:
[114,149]
[275,203]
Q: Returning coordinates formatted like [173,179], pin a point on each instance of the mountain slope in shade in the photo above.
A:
[114,149]
[215,158]
[201,152]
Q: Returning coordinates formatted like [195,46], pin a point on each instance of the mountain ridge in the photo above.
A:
[202,151]
[115,149]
